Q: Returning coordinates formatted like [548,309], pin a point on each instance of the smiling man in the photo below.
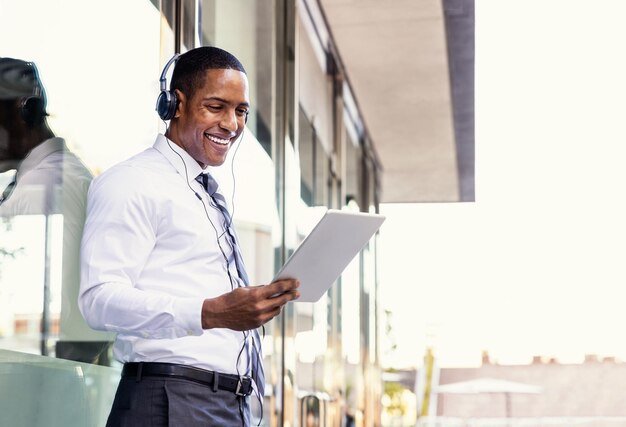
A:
[161,265]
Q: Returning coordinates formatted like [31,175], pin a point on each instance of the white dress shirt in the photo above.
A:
[150,257]
[52,180]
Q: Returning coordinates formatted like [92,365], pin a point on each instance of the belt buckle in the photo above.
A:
[239,385]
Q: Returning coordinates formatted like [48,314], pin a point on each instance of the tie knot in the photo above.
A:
[207,181]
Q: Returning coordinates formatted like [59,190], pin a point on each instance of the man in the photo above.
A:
[28,144]
[162,268]
[49,181]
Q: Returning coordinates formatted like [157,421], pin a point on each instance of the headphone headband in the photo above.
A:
[163,79]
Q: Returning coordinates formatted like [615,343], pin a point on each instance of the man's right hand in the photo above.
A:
[248,307]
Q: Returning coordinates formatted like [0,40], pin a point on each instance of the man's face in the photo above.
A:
[207,124]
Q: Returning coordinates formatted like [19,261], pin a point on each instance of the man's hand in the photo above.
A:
[248,307]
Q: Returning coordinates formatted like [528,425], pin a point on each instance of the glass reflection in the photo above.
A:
[43,207]
[99,65]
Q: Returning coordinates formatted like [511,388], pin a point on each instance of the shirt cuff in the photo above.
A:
[189,315]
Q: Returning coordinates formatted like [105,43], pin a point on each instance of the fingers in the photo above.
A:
[273,297]
[285,288]
[262,310]
[269,315]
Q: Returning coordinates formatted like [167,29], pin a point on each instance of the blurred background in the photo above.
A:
[525,284]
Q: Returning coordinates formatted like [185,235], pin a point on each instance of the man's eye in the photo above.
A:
[215,107]
[242,112]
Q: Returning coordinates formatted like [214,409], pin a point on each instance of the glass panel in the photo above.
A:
[371,203]
[353,162]
[84,71]
[315,176]
[245,29]
[97,65]
[315,86]
[45,392]
[316,361]
[189,24]
[306,154]
[322,175]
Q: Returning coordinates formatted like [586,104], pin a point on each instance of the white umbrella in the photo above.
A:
[489,385]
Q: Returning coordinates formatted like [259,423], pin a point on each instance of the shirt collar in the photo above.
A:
[181,160]
[39,153]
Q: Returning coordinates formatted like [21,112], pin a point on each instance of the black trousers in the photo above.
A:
[174,402]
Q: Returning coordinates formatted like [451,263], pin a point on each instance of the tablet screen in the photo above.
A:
[323,255]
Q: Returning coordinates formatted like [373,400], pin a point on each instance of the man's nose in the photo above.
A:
[229,121]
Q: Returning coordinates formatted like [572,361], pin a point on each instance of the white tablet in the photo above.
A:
[327,250]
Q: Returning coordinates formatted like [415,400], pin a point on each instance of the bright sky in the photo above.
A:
[537,265]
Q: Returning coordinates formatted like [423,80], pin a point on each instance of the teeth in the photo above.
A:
[218,140]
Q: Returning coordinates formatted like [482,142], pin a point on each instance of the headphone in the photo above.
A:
[32,108]
[168,101]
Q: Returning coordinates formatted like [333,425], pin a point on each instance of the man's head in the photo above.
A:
[211,89]
[22,108]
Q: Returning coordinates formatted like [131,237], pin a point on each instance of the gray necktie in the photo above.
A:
[209,184]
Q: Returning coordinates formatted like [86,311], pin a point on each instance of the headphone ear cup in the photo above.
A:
[32,110]
[166,104]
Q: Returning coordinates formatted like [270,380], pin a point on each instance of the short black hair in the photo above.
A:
[190,68]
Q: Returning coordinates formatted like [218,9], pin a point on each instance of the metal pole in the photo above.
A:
[45,315]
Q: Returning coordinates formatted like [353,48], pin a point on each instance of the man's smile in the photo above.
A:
[217,140]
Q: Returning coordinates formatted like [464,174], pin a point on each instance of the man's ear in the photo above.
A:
[181,100]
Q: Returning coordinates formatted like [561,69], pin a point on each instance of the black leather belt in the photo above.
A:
[241,386]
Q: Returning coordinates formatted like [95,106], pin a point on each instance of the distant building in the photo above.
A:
[593,388]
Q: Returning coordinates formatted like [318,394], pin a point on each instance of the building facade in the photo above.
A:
[540,393]
[306,149]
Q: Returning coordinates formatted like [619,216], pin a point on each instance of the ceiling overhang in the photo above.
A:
[395,56]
